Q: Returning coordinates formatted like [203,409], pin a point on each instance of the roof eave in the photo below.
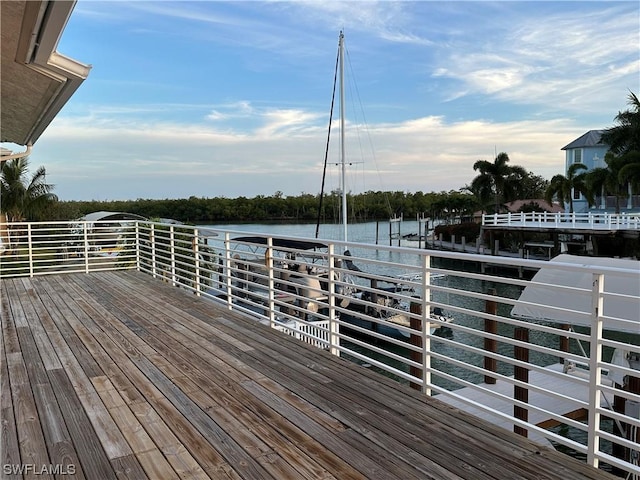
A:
[44,58]
[70,81]
[42,26]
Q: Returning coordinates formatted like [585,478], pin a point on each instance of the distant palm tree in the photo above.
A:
[22,198]
[497,181]
[563,188]
[630,172]
[606,181]
[623,140]
[625,136]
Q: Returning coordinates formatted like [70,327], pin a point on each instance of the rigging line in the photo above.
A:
[326,151]
[367,131]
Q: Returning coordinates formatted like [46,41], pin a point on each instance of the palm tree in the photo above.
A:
[21,199]
[625,136]
[498,181]
[630,172]
[606,181]
[563,188]
[623,140]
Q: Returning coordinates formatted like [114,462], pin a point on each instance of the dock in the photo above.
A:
[567,386]
[119,375]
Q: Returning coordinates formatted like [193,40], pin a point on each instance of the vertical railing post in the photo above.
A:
[152,239]
[137,234]
[595,370]
[271,283]
[86,247]
[227,269]
[196,256]
[172,249]
[334,327]
[30,247]
[426,325]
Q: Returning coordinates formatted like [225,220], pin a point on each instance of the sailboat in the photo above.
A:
[387,308]
[301,271]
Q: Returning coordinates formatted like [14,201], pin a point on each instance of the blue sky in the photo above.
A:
[232,98]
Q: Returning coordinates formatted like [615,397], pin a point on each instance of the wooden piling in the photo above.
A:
[521,374]
[564,342]
[416,340]
[490,345]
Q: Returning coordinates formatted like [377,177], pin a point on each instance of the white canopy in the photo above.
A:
[104,215]
[548,302]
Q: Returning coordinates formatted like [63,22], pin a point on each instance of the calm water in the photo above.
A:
[369,232]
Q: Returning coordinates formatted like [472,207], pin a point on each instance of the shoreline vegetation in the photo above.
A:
[304,208]
[277,208]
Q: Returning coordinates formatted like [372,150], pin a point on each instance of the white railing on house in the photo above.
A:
[55,247]
[589,220]
[536,377]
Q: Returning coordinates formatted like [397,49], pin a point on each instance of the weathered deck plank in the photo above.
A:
[131,378]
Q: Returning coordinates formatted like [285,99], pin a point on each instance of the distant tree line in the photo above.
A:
[362,207]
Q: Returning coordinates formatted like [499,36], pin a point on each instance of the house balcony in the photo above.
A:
[588,222]
[144,350]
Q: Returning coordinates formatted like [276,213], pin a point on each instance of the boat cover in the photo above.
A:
[547,302]
[293,244]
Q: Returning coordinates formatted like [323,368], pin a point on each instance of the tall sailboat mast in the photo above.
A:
[342,156]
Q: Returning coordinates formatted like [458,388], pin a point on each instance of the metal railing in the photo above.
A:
[30,249]
[389,309]
[588,220]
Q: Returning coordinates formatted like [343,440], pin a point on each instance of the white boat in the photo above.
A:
[302,277]
[543,300]
[386,307]
[299,270]
[105,233]
[561,295]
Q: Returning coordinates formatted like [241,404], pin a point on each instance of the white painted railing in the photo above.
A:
[55,247]
[589,220]
[486,361]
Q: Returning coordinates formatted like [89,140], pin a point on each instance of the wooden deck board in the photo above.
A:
[131,378]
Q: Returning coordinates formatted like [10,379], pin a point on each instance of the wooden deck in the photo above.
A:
[119,375]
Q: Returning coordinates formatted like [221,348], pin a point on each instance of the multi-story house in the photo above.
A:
[590,151]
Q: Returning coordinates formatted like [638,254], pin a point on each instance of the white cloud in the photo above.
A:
[285,154]
[550,60]
[453,82]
